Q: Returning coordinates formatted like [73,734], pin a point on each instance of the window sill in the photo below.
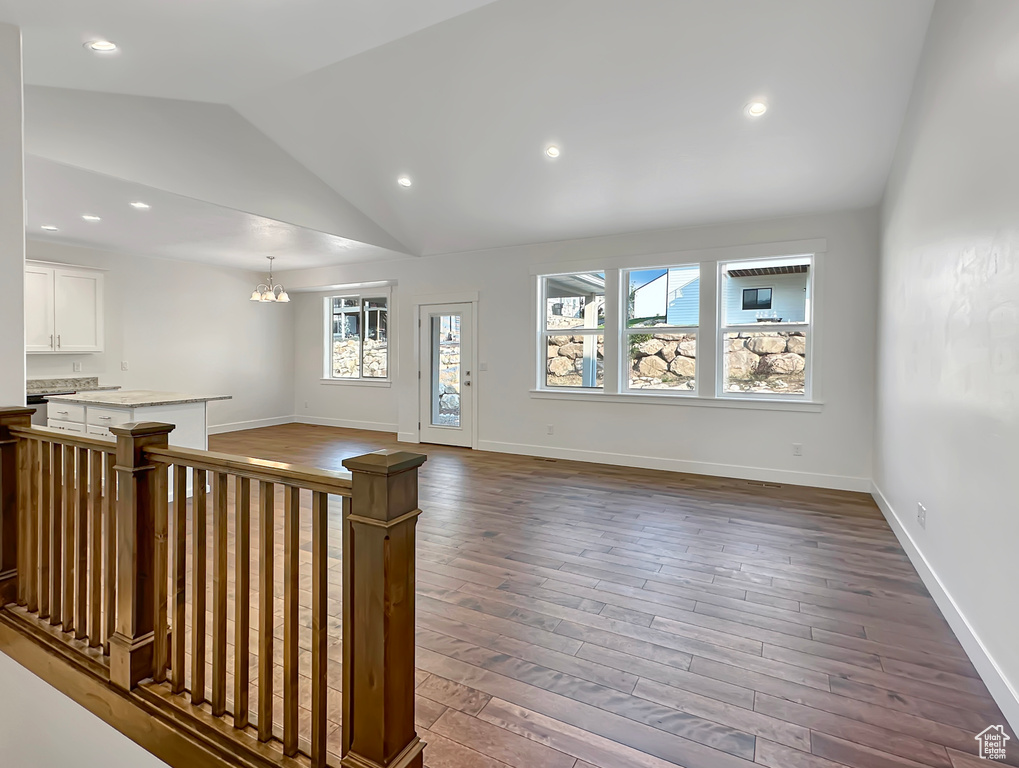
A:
[751,403]
[358,382]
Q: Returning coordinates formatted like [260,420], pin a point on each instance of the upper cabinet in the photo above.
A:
[63,309]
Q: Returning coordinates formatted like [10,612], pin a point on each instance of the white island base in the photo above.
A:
[93,413]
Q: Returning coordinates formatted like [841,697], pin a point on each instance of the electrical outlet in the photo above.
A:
[76,367]
[123,365]
[797,449]
[550,429]
[482,366]
[921,515]
[306,405]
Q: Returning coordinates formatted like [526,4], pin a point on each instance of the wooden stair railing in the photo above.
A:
[109,545]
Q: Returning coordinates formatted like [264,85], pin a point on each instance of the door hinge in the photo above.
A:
[419,425]
[419,374]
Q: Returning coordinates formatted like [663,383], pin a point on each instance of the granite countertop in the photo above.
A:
[138,398]
[77,384]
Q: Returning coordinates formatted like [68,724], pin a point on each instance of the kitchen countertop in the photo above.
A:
[56,386]
[138,398]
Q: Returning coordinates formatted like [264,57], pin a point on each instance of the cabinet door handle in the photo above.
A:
[62,413]
[51,341]
[58,341]
[106,418]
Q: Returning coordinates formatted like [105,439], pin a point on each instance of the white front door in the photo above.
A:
[445,370]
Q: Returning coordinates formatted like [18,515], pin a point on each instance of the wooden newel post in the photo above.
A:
[10,500]
[131,647]
[378,612]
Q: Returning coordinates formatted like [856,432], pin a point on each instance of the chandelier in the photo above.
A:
[270,291]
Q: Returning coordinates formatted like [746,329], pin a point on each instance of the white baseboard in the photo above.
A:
[407,437]
[374,426]
[1001,689]
[837,482]
[237,426]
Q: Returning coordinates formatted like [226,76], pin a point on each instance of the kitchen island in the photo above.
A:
[93,413]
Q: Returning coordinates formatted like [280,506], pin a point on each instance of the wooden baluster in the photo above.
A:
[70,516]
[378,612]
[291,608]
[81,548]
[10,535]
[30,455]
[95,572]
[180,565]
[24,520]
[57,536]
[131,647]
[198,585]
[45,530]
[319,626]
[266,513]
[110,550]
[160,650]
[242,598]
[219,592]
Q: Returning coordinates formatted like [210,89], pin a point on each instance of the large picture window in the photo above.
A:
[358,337]
[765,332]
[712,330]
[573,329]
[660,337]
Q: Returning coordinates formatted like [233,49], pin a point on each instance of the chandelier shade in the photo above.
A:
[270,291]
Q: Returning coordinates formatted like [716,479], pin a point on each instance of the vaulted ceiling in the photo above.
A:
[332,100]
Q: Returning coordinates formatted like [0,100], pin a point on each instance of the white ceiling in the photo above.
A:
[175,227]
[645,97]
[206,50]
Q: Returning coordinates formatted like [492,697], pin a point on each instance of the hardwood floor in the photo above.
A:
[586,616]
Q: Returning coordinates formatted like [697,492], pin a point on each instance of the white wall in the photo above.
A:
[12,221]
[184,327]
[837,441]
[947,431]
[81,739]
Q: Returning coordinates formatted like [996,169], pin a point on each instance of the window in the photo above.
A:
[765,332]
[757,298]
[660,334]
[751,338]
[573,329]
[358,337]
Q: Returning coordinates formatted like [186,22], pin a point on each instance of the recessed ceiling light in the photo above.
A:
[48,227]
[90,217]
[140,205]
[404,181]
[101,46]
[756,108]
[552,151]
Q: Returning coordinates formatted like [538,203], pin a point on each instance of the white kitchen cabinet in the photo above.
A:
[63,309]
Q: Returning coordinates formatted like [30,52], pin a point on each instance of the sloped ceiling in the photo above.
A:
[330,101]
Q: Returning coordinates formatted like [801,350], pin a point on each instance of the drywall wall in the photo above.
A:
[752,443]
[84,740]
[947,430]
[184,327]
[12,221]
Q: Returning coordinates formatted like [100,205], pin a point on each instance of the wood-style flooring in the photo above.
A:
[586,616]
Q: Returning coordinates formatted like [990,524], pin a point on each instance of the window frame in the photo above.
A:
[544,333]
[626,332]
[757,298]
[807,327]
[710,359]
[361,295]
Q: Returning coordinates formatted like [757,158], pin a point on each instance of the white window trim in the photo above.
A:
[810,393]
[708,359]
[625,332]
[361,293]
